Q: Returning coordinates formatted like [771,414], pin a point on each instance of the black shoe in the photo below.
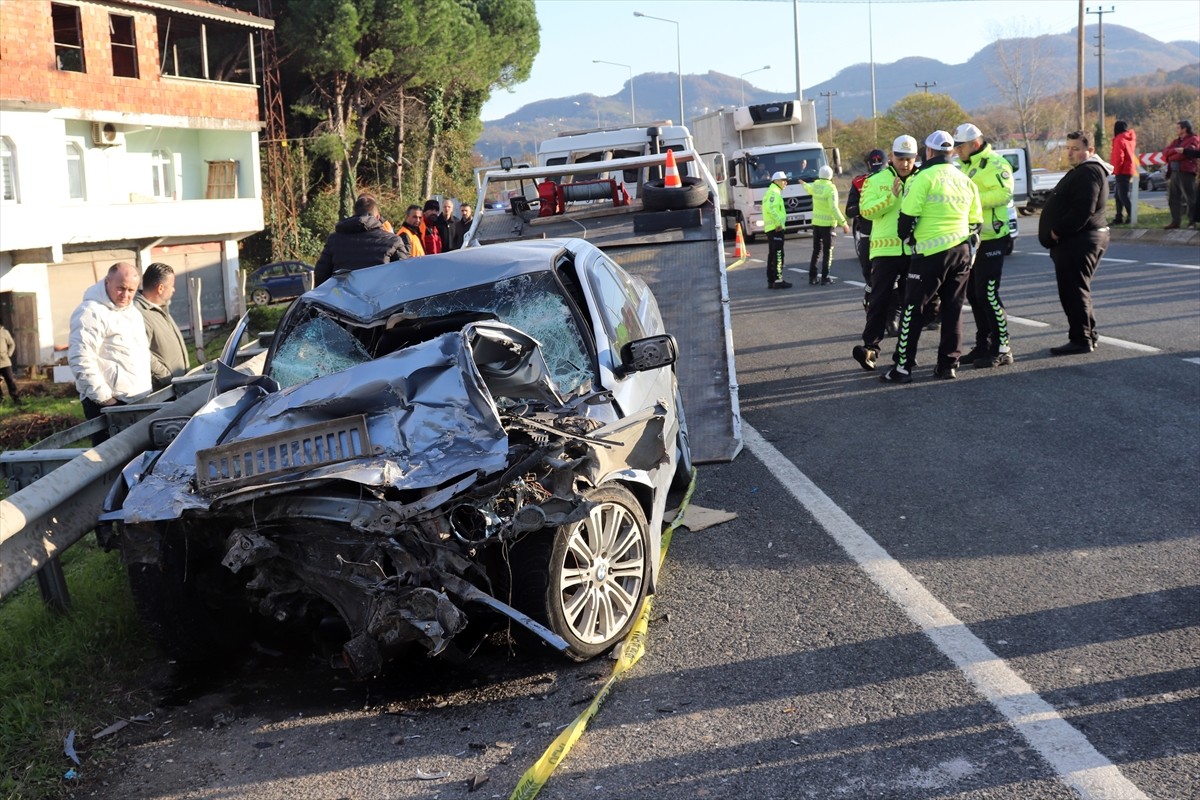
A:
[826,280]
[974,356]
[995,360]
[781,285]
[865,356]
[896,375]
[1072,348]
[945,373]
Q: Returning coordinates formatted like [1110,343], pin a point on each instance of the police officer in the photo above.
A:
[825,215]
[860,225]
[880,207]
[940,216]
[992,176]
[775,226]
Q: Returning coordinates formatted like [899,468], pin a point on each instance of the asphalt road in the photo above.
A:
[981,588]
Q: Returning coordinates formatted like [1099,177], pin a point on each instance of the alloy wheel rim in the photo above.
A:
[602,573]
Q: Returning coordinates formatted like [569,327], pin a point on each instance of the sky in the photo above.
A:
[736,36]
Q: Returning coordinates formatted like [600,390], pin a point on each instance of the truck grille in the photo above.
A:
[795,204]
[256,460]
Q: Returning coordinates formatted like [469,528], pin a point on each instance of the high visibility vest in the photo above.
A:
[825,204]
[993,178]
[773,210]
[882,208]
[945,203]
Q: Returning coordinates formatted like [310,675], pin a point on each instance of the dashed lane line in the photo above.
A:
[1033,323]
[1176,266]
[1068,751]
[1192,360]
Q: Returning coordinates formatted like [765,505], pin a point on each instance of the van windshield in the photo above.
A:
[798,164]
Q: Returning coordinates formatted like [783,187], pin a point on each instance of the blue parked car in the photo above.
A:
[282,280]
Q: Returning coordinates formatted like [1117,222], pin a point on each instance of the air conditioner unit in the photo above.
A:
[105,134]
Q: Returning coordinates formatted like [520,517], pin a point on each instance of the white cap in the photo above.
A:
[825,172]
[940,140]
[779,176]
[966,133]
[904,146]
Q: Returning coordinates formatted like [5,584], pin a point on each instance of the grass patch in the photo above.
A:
[1148,216]
[67,672]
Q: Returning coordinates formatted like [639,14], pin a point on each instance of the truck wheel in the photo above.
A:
[188,606]
[585,580]
[1025,212]
[656,197]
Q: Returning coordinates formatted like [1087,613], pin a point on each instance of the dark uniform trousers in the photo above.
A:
[1075,260]
[944,276]
[775,255]
[983,293]
[822,252]
[91,410]
[885,295]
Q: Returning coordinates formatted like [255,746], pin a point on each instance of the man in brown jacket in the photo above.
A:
[168,350]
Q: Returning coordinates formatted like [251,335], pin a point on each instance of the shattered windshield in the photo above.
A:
[532,303]
[314,349]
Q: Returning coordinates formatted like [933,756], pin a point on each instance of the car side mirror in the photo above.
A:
[649,353]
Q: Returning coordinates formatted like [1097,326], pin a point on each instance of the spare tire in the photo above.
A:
[656,197]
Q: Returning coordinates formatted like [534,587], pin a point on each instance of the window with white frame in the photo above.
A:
[8,171]
[76,187]
[163,169]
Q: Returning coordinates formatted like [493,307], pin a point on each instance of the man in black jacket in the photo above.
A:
[1074,229]
[357,241]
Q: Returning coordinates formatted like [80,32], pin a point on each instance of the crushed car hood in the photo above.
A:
[427,411]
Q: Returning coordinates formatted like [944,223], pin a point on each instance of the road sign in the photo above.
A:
[1152,159]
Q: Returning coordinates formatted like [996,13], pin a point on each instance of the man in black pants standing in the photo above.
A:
[1074,230]
[940,216]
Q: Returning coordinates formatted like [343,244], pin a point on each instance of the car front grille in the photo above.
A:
[257,460]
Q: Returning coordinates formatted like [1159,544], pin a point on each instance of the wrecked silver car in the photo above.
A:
[434,446]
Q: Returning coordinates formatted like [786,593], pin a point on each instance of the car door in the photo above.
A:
[623,311]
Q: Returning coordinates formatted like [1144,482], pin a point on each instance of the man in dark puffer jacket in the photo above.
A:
[1073,228]
[357,241]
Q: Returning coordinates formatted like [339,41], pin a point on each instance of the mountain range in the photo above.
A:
[1127,54]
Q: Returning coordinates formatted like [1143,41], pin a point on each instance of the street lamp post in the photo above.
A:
[632,105]
[678,59]
[743,80]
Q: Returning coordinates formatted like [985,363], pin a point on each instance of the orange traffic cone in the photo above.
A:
[739,246]
[671,179]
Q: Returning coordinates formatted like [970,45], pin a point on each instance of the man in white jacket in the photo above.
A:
[110,354]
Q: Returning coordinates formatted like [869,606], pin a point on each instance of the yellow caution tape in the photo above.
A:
[736,264]
[631,651]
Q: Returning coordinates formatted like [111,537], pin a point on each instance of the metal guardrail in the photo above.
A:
[60,490]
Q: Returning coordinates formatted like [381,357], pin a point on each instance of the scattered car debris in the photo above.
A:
[422,775]
[69,747]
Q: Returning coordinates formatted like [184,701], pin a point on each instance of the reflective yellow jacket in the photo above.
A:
[993,178]
[945,204]
[773,209]
[879,205]
[826,213]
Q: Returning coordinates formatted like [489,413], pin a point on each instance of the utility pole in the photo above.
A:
[1100,12]
[925,86]
[829,111]
[1079,57]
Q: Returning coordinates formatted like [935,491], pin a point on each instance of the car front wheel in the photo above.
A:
[261,297]
[587,580]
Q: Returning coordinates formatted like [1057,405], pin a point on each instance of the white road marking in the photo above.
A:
[1192,360]
[1031,322]
[859,284]
[1176,266]
[1141,348]
[1068,751]
[1107,260]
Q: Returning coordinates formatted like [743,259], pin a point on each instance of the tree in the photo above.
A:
[1023,76]
[367,58]
[920,114]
